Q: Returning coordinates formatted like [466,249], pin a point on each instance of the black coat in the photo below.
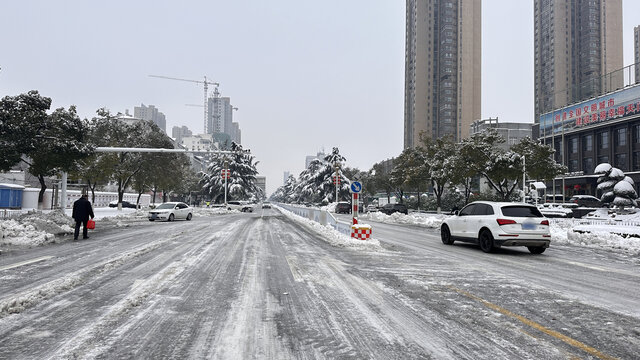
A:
[82,210]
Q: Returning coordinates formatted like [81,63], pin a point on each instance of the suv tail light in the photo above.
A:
[545,222]
[505,221]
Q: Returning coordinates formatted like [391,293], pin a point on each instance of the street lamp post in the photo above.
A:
[226,176]
[524,178]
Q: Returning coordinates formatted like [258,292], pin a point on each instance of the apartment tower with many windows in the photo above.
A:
[578,51]
[442,68]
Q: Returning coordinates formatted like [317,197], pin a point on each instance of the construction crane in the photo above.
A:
[206,84]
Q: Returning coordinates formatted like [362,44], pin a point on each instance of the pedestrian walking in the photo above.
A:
[82,210]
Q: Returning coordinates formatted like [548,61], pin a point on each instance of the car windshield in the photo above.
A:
[521,211]
[165,206]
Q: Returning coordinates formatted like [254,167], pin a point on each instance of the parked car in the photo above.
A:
[393,208]
[372,208]
[495,224]
[240,206]
[125,204]
[171,211]
[343,207]
[586,201]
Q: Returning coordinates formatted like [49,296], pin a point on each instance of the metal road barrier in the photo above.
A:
[322,217]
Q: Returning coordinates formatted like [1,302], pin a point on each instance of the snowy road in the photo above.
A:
[263,286]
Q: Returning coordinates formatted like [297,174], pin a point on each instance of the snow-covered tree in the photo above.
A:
[615,187]
[242,183]
[47,143]
[286,193]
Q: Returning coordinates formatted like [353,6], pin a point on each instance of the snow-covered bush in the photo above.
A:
[615,187]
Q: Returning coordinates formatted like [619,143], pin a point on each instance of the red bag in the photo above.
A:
[91,224]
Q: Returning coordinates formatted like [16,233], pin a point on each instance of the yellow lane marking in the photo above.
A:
[25,263]
[535,325]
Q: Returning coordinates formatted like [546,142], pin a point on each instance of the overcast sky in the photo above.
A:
[304,75]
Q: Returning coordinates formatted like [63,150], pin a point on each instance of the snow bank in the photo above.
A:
[420,219]
[35,228]
[332,236]
[570,232]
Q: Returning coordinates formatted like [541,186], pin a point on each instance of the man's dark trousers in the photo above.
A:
[84,229]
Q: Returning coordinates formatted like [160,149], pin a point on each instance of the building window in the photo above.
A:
[587,165]
[573,146]
[636,134]
[587,143]
[621,162]
[636,161]
[573,165]
[604,140]
[621,137]
[603,159]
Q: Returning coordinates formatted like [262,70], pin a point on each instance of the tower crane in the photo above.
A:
[206,84]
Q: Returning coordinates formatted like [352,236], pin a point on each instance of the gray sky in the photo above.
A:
[304,75]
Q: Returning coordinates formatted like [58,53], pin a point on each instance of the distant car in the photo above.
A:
[343,207]
[125,204]
[171,211]
[266,205]
[586,201]
[240,206]
[495,224]
[372,208]
[394,208]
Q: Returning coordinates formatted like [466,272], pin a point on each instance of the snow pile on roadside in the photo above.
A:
[332,236]
[35,228]
[563,232]
[198,211]
[13,232]
[426,220]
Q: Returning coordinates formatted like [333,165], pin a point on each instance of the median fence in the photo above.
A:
[320,216]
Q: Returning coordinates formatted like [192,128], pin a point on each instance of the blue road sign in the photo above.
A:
[356,187]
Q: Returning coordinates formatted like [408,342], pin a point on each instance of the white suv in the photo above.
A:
[494,224]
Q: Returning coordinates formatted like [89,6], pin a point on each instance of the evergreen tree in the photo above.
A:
[242,182]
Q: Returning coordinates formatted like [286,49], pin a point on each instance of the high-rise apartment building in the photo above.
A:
[578,51]
[151,113]
[636,47]
[442,68]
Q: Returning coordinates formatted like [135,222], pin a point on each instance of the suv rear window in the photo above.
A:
[521,211]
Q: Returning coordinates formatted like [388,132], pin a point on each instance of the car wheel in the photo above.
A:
[445,235]
[536,249]
[189,217]
[171,217]
[151,219]
[486,241]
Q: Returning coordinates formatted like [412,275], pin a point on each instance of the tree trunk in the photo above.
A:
[93,190]
[43,188]
[138,199]
[164,196]
[120,195]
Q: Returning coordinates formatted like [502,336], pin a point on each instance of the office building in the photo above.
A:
[261,182]
[309,158]
[577,50]
[285,177]
[512,132]
[442,68]
[178,132]
[151,113]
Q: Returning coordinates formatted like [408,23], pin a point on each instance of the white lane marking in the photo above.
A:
[25,263]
